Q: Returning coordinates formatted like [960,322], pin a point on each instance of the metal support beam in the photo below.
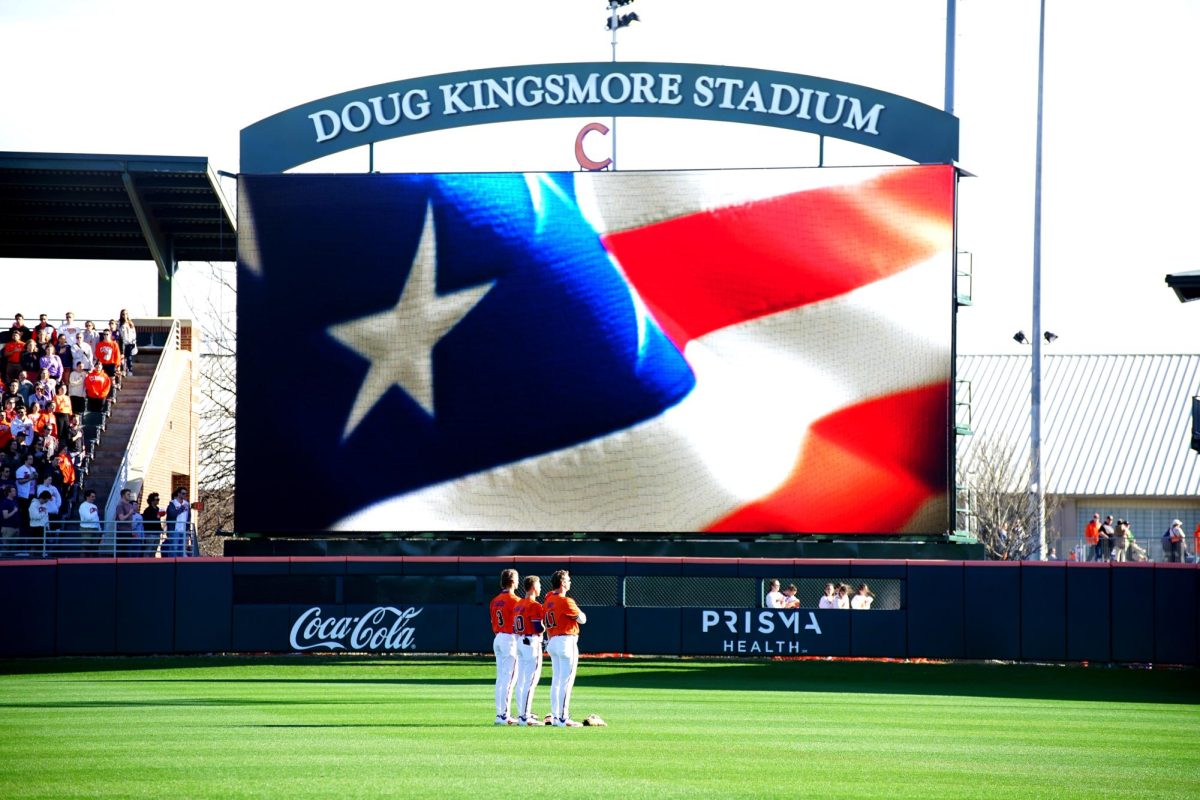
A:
[160,246]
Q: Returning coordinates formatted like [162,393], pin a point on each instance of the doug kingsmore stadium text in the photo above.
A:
[615,88]
[759,624]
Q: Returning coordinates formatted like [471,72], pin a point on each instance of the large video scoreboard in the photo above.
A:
[757,351]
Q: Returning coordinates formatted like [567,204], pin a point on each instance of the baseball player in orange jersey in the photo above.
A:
[504,645]
[527,625]
[562,622]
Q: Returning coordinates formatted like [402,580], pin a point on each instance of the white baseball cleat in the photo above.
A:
[570,723]
[504,721]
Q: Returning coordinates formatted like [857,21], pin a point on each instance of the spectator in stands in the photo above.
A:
[1196,540]
[179,514]
[50,363]
[41,400]
[64,469]
[90,335]
[97,386]
[69,327]
[7,480]
[789,597]
[19,327]
[10,410]
[774,597]
[6,429]
[27,479]
[1107,532]
[22,430]
[13,349]
[24,386]
[863,598]
[843,596]
[1173,542]
[108,353]
[89,522]
[128,333]
[13,457]
[46,380]
[1135,552]
[43,421]
[62,410]
[829,598]
[75,387]
[55,502]
[1120,541]
[124,519]
[62,349]
[73,438]
[10,519]
[39,519]
[44,331]
[31,359]
[13,392]
[152,524]
[1091,536]
[81,352]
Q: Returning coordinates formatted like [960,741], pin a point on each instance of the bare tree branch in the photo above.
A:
[998,508]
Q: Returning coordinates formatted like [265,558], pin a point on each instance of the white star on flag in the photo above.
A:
[399,342]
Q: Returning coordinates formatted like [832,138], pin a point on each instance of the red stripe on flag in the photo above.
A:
[705,271]
[864,469]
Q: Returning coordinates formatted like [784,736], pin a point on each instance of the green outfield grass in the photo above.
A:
[372,727]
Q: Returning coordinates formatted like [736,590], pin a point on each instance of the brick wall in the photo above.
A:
[176,450]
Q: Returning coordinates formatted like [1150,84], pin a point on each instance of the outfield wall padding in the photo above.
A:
[1089,623]
[1043,635]
[992,622]
[951,609]
[1132,612]
[29,597]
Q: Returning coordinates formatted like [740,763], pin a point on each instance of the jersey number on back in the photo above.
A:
[550,623]
[499,617]
[519,624]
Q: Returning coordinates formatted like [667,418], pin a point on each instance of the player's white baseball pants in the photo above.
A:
[505,648]
[564,660]
[529,672]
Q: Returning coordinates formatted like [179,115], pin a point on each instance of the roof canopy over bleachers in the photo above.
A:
[115,207]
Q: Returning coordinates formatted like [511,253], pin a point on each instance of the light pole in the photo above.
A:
[1037,490]
[616,22]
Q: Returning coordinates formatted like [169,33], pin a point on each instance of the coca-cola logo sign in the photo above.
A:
[381,628]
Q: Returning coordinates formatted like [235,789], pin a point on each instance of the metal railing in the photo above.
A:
[71,540]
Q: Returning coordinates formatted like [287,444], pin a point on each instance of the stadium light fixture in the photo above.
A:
[615,23]
[1049,337]
[1020,338]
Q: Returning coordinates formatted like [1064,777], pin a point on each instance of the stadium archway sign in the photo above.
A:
[802,103]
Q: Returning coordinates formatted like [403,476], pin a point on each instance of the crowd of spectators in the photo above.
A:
[836,596]
[60,384]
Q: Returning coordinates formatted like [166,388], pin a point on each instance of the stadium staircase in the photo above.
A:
[114,441]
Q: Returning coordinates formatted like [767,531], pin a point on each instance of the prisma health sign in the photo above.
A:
[732,351]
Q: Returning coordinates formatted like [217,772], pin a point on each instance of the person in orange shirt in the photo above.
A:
[97,386]
[1196,540]
[108,353]
[66,470]
[13,349]
[1091,536]
[527,626]
[504,645]
[562,622]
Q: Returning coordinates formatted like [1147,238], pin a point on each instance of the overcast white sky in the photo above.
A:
[1121,173]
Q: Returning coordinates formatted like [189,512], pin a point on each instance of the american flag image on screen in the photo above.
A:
[727,351]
